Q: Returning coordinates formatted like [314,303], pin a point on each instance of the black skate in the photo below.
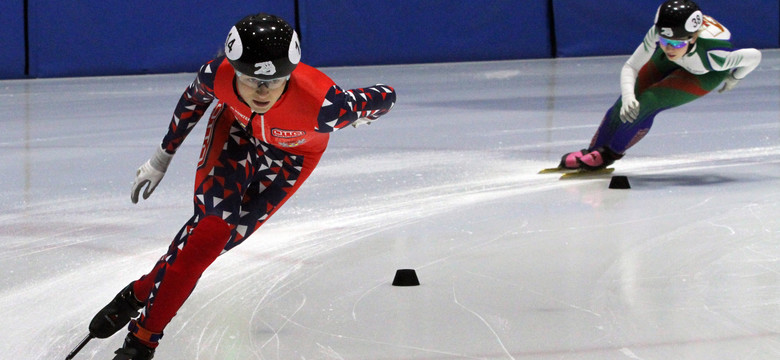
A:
[133,349]
[115,316]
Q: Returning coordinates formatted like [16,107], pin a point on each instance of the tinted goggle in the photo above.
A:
[677,44]
[257,83]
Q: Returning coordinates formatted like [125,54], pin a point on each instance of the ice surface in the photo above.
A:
[513,264]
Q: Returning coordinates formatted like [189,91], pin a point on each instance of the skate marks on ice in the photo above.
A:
[271,279]
[285,306]
[281,267]
[256,301]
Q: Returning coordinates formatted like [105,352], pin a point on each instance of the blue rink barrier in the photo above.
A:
[12,51]
[114,37]
[348,32]
[87,38]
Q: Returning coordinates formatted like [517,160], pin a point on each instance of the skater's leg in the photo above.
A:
[240,203]
[218,190]
[175,280]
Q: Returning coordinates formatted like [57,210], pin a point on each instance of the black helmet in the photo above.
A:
[263,46]
[678,19]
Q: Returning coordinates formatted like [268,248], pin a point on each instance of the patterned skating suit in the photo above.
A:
[250,164]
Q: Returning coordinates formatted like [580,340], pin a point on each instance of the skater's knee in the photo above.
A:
[213,225]
[207,239]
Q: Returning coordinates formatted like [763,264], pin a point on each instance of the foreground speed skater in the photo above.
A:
[684,56]
[266,133]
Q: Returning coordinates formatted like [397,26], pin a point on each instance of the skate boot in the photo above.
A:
[133,349]
[598,159]
[569,161]
[115,316]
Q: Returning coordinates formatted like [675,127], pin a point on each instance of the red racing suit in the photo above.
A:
[250,165]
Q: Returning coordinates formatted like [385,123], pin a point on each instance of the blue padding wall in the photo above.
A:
[614,27]
[348,32]
[113,37]
[133,37]
[12,54]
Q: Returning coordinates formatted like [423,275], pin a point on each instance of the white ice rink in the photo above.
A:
[513,264]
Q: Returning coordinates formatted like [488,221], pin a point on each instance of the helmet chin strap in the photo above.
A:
[692,43]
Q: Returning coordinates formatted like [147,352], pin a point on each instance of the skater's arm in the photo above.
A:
[741,61]
[344,107]
[191,107]
[639,58]
[628,74]
[629,109]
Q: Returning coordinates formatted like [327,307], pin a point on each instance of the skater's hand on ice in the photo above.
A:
[376,101]
[630,109]
[729,83]
[361,121]
[370,118]
[150,174]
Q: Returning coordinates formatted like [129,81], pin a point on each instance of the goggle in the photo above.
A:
[257,83]
[677,44]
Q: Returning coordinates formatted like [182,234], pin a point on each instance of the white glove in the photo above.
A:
[729,83]
[150,174]
[361,121]
[630,108]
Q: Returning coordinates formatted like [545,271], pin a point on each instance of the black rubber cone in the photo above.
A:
[406,277]
[619,182]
